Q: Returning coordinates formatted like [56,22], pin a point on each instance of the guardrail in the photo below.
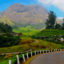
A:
[30,54]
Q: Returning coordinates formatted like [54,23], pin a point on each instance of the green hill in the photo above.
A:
[26,31]
[50,32]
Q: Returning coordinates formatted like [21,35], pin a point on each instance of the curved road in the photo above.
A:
[50,58]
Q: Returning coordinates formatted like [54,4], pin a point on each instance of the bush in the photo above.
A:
[5,28]
[26,41]
[8,40]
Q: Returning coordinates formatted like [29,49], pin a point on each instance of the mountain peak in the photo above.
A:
[26,14]
[17,5]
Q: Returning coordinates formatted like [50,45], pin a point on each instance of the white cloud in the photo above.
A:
[58,3]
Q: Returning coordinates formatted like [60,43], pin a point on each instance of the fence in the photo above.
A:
[32,53]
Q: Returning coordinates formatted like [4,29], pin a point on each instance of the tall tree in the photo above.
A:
[63,25]
[51,20]
[6,36]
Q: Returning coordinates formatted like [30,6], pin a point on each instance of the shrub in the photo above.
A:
[9,40]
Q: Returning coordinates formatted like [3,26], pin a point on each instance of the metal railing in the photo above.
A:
[33,53]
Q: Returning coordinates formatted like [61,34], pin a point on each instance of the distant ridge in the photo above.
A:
[24,15]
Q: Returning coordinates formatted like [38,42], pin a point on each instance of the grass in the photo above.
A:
[50,32]
[17,48]
[35,45]
[28,43]
[6,61]
[28,31]
[38,44]
[13,60]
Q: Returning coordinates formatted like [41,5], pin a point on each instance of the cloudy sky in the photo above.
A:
[55,5]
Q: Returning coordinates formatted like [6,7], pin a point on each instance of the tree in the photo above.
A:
[51,20]
[7,40]
[63,25]
[57,26]
[5,28]
[6,36]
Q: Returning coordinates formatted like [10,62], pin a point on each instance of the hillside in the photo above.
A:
[6,20]
[59,20]
[51,32]
[23,15]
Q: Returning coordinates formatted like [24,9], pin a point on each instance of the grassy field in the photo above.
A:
[50,32]
[29,43]
[28,31]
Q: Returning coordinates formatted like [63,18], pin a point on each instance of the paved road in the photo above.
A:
[50,58]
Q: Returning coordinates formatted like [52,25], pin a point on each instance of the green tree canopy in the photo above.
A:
[6,36]
[51,20]
[63,25]
[5,28]
[57,26]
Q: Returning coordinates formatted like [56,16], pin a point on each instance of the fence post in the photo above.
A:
[10,62]
[54,50]
[40,51]
[43,51]
[35,52]
[27,56]
[46,51]
[31,53]
[60,49]
[23,57]
[18,60]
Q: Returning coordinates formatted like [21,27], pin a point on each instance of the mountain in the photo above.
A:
[6,20]
[59,20]
[24,15]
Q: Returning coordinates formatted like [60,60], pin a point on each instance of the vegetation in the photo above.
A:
[6,20]
[32,44]
[51,20]
[5,28]
[26,31]
[31,39]
[58,26]
[50,32]
[63,25]
[7,38]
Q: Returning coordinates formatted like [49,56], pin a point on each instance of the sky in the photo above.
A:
[54,5]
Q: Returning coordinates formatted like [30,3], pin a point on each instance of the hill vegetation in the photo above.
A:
[51,32]
[26,31]
[6,36]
